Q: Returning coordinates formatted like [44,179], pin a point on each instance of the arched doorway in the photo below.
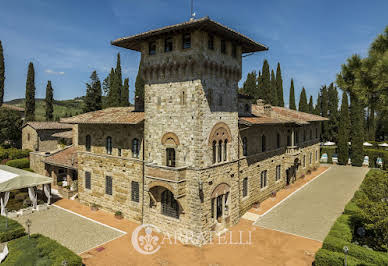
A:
[220,201]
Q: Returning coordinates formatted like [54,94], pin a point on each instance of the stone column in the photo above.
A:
[54,175]
[68,177]
[292,138]
[215,209]
[223,206]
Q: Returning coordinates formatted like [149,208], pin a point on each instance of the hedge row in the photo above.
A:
[19,163]
[329,151]
[14,229]
[13,153]
[40,250]
[342,232]
[373,154]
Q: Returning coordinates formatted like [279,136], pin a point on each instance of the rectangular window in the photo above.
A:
[108,185]
[212,207]
[278,173]
[119,151]
[168,45]
[135,191]
[223,46]
[245,187]
[170,156]
[311,157]
[152,48]
[263,179]
[210,42]
[316,155]
[234,50]
[186,41]
[87,180]
[304,161]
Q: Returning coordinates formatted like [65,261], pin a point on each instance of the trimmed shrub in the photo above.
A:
[39,250]
[329,151]
[363,254]
[28,169]
[17,154]
[342,228]
[373,154]
[325,257]
[19,163]
[14,229]
[3,154]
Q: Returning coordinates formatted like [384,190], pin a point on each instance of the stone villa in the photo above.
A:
[197,155]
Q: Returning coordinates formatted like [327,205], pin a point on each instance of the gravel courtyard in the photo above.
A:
[311,211]
[72,231]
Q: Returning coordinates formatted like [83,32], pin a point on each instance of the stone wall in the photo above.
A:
[30,139]
[37,164]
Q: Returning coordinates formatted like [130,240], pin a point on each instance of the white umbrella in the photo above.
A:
[349,143]
[329,143]
[367,144]
[383,145]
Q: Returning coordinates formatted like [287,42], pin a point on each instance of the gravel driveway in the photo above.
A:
[312,210]
[73,231]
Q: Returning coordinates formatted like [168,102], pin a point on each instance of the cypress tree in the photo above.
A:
[250,85]
[93,98]
[139,88]
[274,91]
[266,83]
[125,93]
[303,107]
[118,74]
[318,106]
[259,90]
[343,131]
[311,105]
[2,75]
[333,113]
[356,132]
[30,94]
[49,102]
[279,86]
[292,104]
[324,112]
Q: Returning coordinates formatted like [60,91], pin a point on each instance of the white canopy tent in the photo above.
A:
[383,145]
[367,144]
[13,178]
[328,143]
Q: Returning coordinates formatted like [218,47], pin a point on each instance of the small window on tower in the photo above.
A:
[168,45]
[152,48]
[210,42]
[186,41]
[223,46]
[234,50]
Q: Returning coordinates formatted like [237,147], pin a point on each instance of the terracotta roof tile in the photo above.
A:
[248,45]
[113,115]
[254,120]
[65,158]
[296,115]
[49,125]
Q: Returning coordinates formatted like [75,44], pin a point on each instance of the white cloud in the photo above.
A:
[49,71]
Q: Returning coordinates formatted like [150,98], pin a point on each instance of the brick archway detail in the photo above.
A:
[220,190]
[219,132]
[170,137]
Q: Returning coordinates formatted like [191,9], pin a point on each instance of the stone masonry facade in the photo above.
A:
[202,155]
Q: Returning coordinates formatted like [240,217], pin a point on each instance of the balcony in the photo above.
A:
[174,178]
[292,150]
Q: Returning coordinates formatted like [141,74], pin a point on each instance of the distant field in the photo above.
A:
[61,108]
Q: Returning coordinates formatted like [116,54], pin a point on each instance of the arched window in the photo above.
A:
[220,151]
[109,145]
[135,148]
[214,151]
[88,142]
[311,134]
[225,150]
[245,146]
[278,140]
[170,157]
[263,143]
[170,206]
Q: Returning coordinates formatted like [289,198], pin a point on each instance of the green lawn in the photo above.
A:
[39,250]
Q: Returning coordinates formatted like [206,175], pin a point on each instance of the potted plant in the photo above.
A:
[119,215]
[94,207]
[273,194]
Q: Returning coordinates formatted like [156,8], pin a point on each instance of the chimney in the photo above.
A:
[139,104]
[268,110]
[260,106]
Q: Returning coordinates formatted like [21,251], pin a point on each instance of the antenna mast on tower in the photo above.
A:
[192,13]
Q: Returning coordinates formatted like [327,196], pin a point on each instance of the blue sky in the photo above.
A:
[67,40]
